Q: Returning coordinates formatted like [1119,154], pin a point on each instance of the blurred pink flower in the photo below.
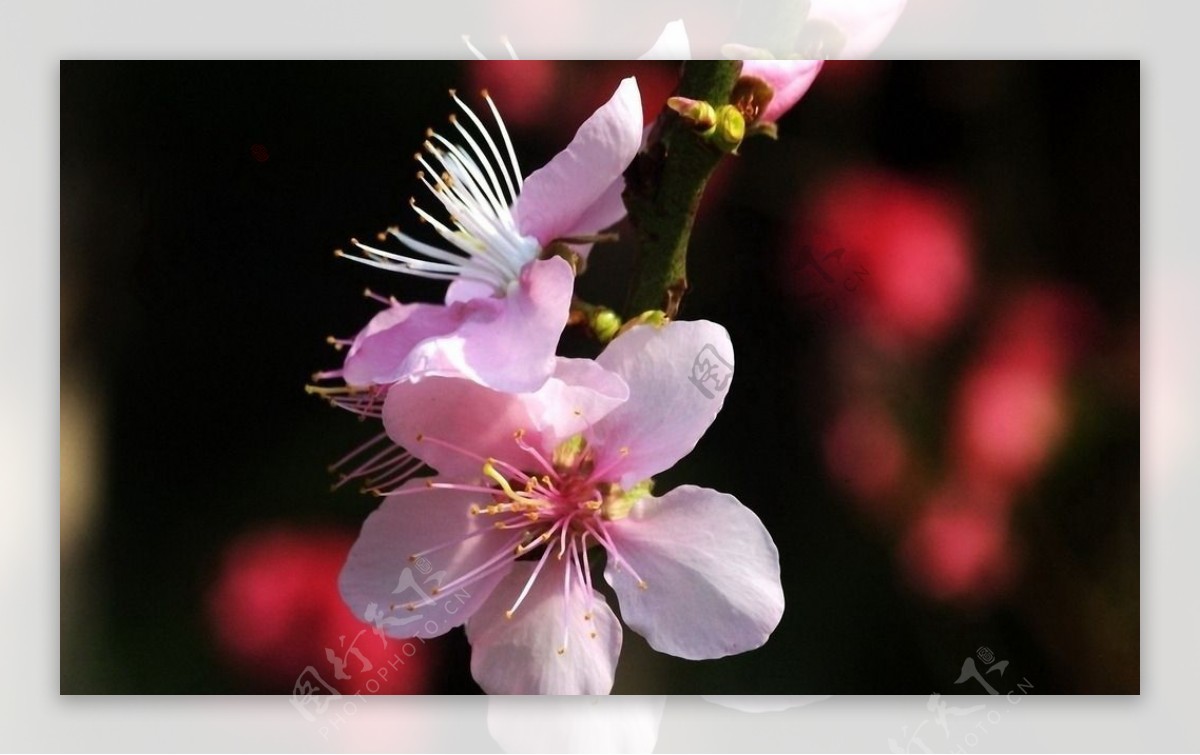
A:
[275,610]
[1008,418]
[957,550]
[502,296]
[564,469]
[1046,327]
[866,453]
[912,242]
[1011,412]
[526,88]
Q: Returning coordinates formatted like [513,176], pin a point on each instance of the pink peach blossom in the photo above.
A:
[503,296]
[532,487]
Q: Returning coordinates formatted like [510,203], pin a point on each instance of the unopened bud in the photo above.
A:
[730,129]
[698,113]
[655,317]
[605,324]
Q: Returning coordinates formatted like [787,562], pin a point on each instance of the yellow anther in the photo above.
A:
[508,614]
[642,584]
[489,469]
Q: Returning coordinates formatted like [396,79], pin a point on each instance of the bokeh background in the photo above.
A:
[931,281]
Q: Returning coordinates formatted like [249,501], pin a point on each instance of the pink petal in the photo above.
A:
[678,376]
[379,354]
[515,351]
[789,78]
[379,573]
[711,573]
[481,422]
[556,196]
[506,342]
[607,211]
[520,656]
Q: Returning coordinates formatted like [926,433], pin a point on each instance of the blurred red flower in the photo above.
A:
[866,453]
[958,549]
[912,240]
[1011,411]
[275,610]
[522,89]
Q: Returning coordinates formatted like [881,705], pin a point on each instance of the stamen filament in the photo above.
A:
[528,584]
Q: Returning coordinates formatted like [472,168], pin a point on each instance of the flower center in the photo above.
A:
[477,187]
[565,509]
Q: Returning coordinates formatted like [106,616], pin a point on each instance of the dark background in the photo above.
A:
[200,206]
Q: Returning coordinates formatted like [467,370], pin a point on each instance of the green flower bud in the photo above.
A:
[730,129]
[605,324]
[698,113]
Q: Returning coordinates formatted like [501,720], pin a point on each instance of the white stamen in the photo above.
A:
[486,245]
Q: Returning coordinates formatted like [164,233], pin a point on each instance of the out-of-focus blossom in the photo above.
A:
[1045,327]
[1011,410]
[866,452]
[526,87]
[1008,418]
[561,470]
[505,307]
[958,550]
[909,244]
[275,610]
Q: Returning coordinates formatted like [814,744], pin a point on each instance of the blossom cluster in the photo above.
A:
[518,473]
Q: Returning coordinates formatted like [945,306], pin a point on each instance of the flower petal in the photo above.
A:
[505,342]
[380,352]
[380,579]
[514,351]
[678,375]
[672,44]
[607,211]
[555,197]
[790,80]
[447,411]
[711,572]
[520,656]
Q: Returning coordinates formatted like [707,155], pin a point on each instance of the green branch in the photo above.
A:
[663,187]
